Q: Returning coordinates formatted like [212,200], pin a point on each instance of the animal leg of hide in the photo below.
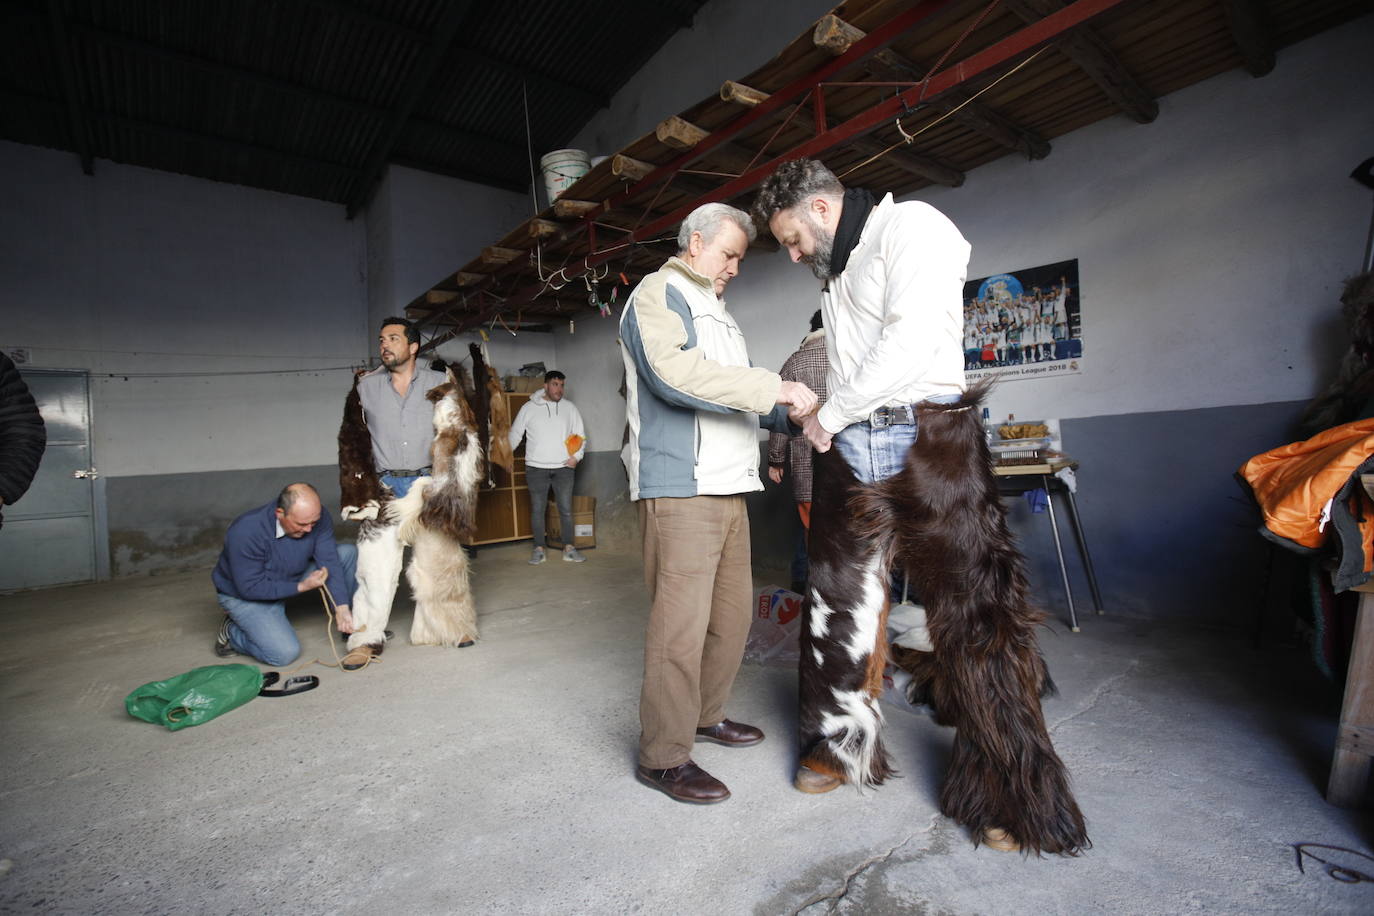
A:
[843,639]
[945,516]
[379,568]
[438,575]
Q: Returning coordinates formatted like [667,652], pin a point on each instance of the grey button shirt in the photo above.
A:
[401,427]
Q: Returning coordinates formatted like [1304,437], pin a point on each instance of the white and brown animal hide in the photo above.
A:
[492,413]
[940,520]
[436,517]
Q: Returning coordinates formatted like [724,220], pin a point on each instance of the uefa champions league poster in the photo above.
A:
[1024,324]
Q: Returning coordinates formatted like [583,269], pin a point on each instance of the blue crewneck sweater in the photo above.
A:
[256,565]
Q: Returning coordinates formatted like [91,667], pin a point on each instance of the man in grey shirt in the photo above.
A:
[400,422]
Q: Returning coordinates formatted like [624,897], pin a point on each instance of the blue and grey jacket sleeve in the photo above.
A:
[658,334]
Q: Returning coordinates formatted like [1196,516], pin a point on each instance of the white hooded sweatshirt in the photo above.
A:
[546,426]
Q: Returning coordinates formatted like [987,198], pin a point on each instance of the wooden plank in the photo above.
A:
[542,228]
[623,166]
[465,279]
[440,296]
[573,209]
[679,133]
[1350,763]
[731,91]
[494,254]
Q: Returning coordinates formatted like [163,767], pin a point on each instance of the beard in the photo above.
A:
[393,361]
[819,260]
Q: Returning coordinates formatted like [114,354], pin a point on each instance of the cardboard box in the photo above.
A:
[583,519]
[523,384]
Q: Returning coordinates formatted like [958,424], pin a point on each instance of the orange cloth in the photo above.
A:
[804,510]
[574,442]
[1293,483]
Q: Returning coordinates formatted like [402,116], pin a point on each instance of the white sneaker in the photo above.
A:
[570,555]
[537,556]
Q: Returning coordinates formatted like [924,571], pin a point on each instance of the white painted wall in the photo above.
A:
[144,272]
[422,227]
[1212,245]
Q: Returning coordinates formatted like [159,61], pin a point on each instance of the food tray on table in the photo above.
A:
[1020,451]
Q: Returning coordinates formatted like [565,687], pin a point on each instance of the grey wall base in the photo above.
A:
[172,522]
[1170,531]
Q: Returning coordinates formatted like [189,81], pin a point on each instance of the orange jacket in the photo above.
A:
[1293,484]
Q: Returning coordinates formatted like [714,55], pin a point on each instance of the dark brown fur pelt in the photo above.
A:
[358,479]
[450,501]
[941,521]
[480,402]
[1345,398]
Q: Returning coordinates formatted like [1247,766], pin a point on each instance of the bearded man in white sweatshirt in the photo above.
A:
[555,442]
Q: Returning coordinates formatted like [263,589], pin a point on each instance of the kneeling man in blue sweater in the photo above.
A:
[270,554]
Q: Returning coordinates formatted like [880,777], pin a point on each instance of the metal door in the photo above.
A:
[49,535]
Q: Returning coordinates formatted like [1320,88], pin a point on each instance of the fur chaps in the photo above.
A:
[940,520]
[436,516]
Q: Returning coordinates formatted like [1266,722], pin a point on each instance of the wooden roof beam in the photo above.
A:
[1251,34]
[1091,53]
[834,35]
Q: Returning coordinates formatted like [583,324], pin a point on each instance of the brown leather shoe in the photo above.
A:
[685,783]
[730,734]
[360,657]
[814,782]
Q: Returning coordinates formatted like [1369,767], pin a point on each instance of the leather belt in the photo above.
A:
[901,415]
[406,472]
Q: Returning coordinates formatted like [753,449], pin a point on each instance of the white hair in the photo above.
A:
[707,220]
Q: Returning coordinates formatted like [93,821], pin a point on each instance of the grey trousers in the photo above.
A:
[538,481]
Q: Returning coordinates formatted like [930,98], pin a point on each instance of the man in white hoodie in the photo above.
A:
[555,443]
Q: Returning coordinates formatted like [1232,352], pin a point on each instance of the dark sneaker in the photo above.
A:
[222,647]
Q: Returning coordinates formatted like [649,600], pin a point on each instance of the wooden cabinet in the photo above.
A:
[503,511]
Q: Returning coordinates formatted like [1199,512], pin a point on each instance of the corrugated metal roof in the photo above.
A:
[302,97]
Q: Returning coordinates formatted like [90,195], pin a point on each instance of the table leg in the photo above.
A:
[1355,738]
[1059,552]
[1083,549]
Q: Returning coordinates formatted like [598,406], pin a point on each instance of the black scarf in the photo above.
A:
[858,203]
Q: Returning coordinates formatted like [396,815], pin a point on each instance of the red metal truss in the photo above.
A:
[995,55]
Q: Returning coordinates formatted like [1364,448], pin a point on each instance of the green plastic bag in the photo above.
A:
[196,696]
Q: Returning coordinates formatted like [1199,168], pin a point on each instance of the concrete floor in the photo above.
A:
[499,778]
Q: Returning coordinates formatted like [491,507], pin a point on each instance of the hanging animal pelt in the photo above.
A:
[437,516]
[493,415]
[941,521]
[358,479]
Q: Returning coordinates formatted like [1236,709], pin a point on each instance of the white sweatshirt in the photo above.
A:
[546,425]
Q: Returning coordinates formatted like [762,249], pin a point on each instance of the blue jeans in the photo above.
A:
[538,480]
[400,486]
[260,628]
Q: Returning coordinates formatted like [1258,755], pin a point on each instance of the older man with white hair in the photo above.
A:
[694,406]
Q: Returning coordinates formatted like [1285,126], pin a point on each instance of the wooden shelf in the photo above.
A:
[503,511]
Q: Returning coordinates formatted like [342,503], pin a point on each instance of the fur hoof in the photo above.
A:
[998,839]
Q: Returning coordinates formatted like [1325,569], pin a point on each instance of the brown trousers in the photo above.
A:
[697,568]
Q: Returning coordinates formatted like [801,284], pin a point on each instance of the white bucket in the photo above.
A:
[562,168]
